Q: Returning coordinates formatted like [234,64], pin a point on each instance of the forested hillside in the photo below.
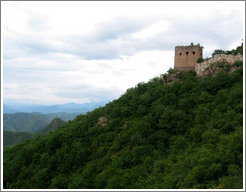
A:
[185,135]
[11,138]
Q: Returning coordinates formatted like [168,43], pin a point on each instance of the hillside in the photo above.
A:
[185,135]
[53,125]
[32,122]
[12,137]
[25,122]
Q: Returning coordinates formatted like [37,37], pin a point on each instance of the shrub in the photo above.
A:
[200,60]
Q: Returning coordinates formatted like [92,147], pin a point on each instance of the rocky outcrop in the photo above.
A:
[170,78]
[103,121]
[125,124]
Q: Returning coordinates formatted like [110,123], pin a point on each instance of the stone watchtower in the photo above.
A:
[186,57]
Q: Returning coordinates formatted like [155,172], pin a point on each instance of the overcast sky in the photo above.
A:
[61,52]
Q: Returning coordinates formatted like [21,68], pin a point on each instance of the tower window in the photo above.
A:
[193,52]
[187,53]
[180,53]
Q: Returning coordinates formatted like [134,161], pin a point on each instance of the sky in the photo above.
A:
[88,51]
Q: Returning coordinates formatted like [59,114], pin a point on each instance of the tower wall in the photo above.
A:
[186,57]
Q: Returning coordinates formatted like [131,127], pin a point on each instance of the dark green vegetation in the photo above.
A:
[187,135]
[12,137]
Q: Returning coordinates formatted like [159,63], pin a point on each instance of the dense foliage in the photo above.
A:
[187,135]
[12,137]
[238,50]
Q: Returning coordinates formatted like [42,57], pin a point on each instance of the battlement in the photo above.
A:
[186,57]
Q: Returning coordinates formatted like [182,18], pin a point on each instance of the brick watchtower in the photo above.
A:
[186,57]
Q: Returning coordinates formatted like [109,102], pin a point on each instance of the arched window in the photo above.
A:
[180,53]
[187,53]
[194,52]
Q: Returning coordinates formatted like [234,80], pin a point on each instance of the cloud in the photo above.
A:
[113,45]
[118,28]
[93,53]
[90,93]
[81,80]
[112,39]
[37,22]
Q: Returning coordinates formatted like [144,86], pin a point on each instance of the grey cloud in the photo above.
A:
[103,43]
[112,39]
[25,46]
[35,46]
[222,30]
[100,44]
[88,92]
[118,28]
[213,30]
[206,32]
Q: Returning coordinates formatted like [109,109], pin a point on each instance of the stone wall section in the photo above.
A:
[201,67]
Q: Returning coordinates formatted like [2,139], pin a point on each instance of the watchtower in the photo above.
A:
[186,57]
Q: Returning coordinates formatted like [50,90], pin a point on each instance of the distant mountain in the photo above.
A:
[63,116]
[25,122]
[11,138]
[9,110]
[52,126]
[46,109]
[32,122]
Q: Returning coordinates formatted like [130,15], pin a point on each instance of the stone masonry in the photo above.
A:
[186,57]
[230,59]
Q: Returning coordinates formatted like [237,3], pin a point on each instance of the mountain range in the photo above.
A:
[25,122]
[31,118]
[47,109]
[11,138]
[32,122]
